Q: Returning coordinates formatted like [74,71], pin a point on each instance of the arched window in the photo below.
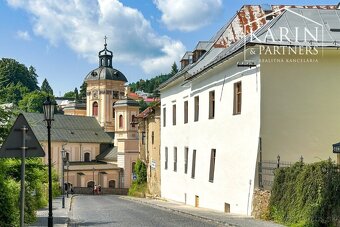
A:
[90,184]
[120,121]
[95,109]
[112,184]
[133,121]
[87,157]
[133,167]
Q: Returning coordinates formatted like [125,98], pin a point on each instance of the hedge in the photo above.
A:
[306,195]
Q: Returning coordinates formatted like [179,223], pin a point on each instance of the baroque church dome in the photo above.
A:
[105,71]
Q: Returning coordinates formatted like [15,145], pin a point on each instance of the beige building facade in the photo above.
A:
[149,128]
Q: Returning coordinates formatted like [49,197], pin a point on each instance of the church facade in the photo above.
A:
[102,147]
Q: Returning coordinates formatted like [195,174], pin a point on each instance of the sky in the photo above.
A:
[62,38]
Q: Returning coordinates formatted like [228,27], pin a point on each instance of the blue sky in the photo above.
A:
[61,38]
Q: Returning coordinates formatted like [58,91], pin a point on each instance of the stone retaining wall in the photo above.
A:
[261,204]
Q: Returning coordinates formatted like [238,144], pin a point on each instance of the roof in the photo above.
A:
[186,55]
[148,111]
[230,37]
[203,45]
[109,155]
[68,128]
[126,102]
[105,73]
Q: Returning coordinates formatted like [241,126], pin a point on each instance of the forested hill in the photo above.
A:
[150,85]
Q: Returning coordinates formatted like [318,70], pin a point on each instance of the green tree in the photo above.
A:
[76,94]
[174,69]
[33,101]
[45,86]
[12,72]
[82,92]
[70,94]
[13,93]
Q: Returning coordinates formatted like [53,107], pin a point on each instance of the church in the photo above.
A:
[100,141]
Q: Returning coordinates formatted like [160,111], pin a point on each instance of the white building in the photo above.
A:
[247,100]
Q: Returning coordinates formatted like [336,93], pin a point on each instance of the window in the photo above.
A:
[186,153]
[193,167]
[164,117]
[133,167]
[211,105]
[95,109]
[67,156]
[166,158]
[143,138]
[133,118]
[197,100]
[212,165]
[120,121]
[90,184]
[175,159]
[174,114]
[87,157]
[152,137]
[185,112]
[112,184]
[237,98]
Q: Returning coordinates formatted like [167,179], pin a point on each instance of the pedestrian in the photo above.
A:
[99,189]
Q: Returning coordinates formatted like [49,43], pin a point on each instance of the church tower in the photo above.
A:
[126,137]
[105,86]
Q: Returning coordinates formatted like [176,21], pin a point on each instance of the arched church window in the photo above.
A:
[87,157]
[120,121]
[95,109]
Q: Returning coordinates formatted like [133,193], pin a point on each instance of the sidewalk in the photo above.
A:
[60,215]
[219,218]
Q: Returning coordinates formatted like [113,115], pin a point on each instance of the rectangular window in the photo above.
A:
[175,159]
[237,98]
[143,138]
[193,164]
[186,153]
[211,105]
[166,158]
[197,103]
[212,165]
[164,117]
[185,112]
[152,137]
[174,114]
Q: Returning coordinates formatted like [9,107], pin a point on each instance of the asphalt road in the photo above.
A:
[111,210]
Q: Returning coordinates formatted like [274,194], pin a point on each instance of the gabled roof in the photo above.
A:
[68,128]
[230,37]
[293,17]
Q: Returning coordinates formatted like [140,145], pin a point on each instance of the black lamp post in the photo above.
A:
[63,159]
[48,108]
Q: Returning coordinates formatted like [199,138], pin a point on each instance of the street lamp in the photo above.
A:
[68,184]
[48,107]
[63,159]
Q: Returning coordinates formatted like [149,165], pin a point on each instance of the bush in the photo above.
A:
[306,195]
[139,187]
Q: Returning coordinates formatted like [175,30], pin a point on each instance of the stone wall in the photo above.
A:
[113,191]
[261,204]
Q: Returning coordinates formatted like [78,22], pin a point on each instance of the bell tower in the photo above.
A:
[105,86]
[126,136]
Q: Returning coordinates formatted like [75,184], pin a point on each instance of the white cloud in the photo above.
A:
[82,25]
[24,35]
[188,15]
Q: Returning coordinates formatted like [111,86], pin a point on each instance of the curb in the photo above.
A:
[179,211]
